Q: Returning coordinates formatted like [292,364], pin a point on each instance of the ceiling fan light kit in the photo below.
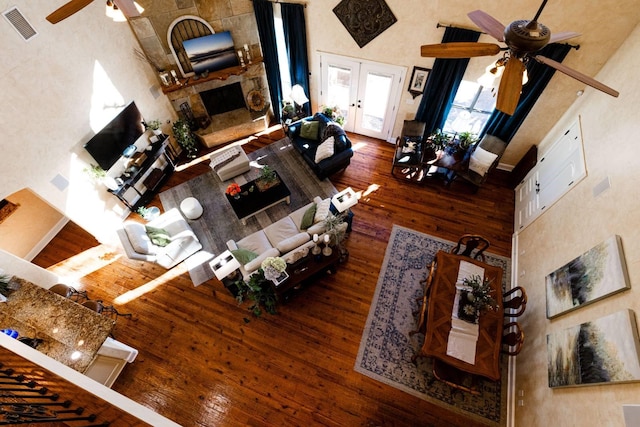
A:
[523,38]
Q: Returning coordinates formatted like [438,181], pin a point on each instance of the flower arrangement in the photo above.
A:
[233,189]
[273,267]
[479,297]
[334,113]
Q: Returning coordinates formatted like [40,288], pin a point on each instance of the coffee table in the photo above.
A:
[256,201]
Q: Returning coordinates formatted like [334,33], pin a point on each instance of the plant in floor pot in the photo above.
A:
[185,137]
[259,291]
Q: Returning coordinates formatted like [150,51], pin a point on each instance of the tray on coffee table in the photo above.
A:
[252,202]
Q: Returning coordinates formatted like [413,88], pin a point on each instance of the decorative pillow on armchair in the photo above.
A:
[481,160]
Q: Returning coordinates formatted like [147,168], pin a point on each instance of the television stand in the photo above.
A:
[141,183]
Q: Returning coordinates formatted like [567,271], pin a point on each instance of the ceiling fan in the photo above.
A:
[523,39]
[127,7]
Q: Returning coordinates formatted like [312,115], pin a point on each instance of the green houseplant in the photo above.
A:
[267,179]
[476,298]
[95,172]
[186,138]
[466,139]
[154,125]
[258,290]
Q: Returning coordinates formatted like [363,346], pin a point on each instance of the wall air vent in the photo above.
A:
[20,23]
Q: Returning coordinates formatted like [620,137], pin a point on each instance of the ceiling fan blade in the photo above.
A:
[577,75]
[459,50]
[127,7]
[562,36]
[488,24]
[510,86]
[66,10]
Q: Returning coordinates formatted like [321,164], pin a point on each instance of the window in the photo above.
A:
[471,108]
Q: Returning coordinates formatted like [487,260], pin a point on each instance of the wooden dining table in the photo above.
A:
[441,298]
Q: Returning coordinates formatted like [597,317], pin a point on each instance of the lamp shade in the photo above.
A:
[298,95]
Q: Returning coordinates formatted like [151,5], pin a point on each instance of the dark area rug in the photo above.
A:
[386,347]
[219,223]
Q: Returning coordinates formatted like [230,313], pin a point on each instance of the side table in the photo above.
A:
[306,269]
[226,268]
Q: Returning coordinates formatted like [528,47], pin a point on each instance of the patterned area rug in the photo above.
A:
[219,223]
[386,347]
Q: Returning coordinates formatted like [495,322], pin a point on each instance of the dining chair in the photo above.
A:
[424,302]
[512,339]
[455,377]
[470,242]
[69,292]
[514,302]
[408,152]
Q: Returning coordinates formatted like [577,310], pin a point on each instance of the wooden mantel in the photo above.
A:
[213,75]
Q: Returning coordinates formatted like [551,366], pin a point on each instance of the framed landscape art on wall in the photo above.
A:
[597,273]
[604,350]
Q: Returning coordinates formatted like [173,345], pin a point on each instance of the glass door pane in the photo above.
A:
[376,99]
[339,88]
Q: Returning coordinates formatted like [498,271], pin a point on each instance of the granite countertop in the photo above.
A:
[70,333]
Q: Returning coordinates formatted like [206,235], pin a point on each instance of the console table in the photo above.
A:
[144,180]
[305,269]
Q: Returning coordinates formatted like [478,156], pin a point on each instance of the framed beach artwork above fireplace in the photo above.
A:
[596,274]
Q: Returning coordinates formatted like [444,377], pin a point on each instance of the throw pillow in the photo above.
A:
[243,256]
[309,130]
[158,236]
[325,150]
[307,218]
[322,210]
[481,160]
[138,238]
[332,129]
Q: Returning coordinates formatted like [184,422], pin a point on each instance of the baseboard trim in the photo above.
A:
[46,239]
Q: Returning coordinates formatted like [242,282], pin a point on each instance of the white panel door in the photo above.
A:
[367,93]
[557,171]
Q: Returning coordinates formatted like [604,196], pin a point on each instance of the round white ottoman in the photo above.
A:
[191,208]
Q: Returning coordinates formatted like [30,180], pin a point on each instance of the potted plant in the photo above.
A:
[267,179]
[475,299]
[259,291]
[154,125]
[465,140]
[186,138]
[95,172]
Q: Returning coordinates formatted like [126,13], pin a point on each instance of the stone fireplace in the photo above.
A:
[223,104]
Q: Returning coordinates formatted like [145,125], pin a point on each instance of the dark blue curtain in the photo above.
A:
[295,37]
[443,82]
[264,17]
[504,126]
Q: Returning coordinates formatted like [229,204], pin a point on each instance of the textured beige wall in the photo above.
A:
[19,233]
[54,89]
[604,26]
[573,225]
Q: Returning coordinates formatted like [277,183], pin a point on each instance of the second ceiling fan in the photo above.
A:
[524,39]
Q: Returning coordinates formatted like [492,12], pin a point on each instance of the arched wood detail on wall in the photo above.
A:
[186,27]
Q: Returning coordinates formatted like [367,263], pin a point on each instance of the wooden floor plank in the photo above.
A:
[202,364]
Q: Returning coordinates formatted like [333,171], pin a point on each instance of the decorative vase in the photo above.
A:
[464,314]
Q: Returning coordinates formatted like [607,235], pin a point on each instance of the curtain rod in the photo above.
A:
[439,25]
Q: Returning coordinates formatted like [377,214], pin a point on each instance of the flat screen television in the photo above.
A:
[211,53]
[107,145]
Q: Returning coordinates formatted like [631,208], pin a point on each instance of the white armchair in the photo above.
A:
[138,245]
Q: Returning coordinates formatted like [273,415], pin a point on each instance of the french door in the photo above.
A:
[367,93]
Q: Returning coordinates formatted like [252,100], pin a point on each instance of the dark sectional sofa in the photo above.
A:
[307,141]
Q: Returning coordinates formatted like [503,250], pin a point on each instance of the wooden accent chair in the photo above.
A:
[514,302]
[470,242]
[408,153]
[454,377]
[512,339]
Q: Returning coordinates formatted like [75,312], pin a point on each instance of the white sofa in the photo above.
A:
[137,244]
[283,238]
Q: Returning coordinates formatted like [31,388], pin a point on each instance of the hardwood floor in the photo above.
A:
[205,361]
